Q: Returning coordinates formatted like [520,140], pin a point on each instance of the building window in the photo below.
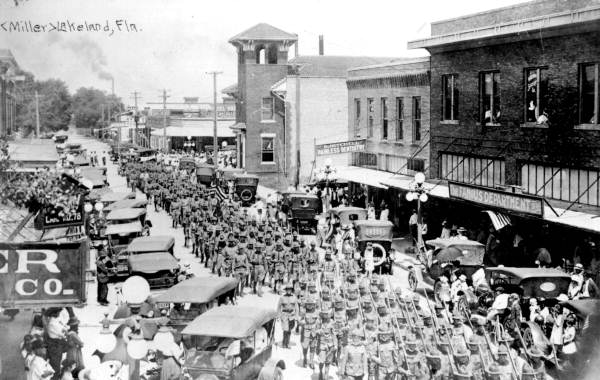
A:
[480,171]
[267,109]
[536,90]
[449,97]
[399,118]
[416,118]
[490,97]
[588,94]
[384,119]
[416,164]
[365,160]
[370,114]
[356,117]
[267,149]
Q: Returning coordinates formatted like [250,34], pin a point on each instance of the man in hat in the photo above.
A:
[535,369]
[353,358]
[460,332]
[294,264]
[308,332]
[371,339]
[288,311]
[38,366]
[387,354]
[259,264]
[503,363]
[329,266]
[279,261]
[339,325]
[463,366]
[415,360]
[104,268]
[326,344]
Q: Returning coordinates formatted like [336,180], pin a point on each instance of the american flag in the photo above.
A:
[219,193]
[498,220]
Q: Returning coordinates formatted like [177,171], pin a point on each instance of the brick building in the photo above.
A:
[8,99]
[388,105]
[514,105]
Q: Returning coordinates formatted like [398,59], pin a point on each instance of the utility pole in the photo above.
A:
[135,97]
[37,114]
[164,97]
[215,142]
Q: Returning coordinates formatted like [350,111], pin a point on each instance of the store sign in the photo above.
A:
[499,199]
[42,274]
[67,213]
[342,147]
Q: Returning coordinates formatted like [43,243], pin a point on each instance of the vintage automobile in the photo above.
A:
[547,283]
[113,197]
[442,258]
[126,215]
[60,139]
[160,269]
[187,163]
[205,174]
[118,236]
[227,174]
[347,215]
[142,245]
[127,203]
[146,154]
[245,186]
[229,342]
[301,210]
[192,297]
[379,234]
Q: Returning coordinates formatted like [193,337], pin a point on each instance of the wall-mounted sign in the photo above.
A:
[342,147]
[526,204]
[42,274]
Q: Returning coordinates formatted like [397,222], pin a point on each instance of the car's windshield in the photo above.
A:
[210,352]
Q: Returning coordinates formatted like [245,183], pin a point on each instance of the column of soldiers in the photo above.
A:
[358,323]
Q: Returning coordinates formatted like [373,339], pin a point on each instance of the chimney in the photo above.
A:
[321,46]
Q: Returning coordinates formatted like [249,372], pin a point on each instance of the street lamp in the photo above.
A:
[418,192]
[106,340]
[135,291]
[189,143]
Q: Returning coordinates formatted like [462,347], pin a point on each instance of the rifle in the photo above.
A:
[435,325]
[512,363]
[395,325]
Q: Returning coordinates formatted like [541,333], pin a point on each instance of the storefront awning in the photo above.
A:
[365,176]
[403,182]
[584,221]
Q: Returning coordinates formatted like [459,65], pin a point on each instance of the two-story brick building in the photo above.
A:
[514,105]
[388,106]
[8,98]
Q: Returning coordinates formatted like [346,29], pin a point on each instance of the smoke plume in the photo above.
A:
[88,51]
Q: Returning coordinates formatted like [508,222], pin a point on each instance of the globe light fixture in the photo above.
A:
[106,339]
[98,206]
[423,197]
[137,347]
[420,178]
[88,207]
[135,291]
[409,196]
[163,339]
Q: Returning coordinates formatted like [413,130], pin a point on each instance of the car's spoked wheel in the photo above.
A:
[412,280]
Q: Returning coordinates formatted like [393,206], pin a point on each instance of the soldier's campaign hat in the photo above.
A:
[457,318]
[370,318]
[427,320]
[410,340]
[324,314]
[439,310]
[384,333]
[366,304]
[401,319]
[312,286]
[289,285]
[478,320]
[503,350]
[461,355]
[295,244]
[338,303]
[534,352]
[259,246]
[381,306]
[310,301]
[251,243]
[505,338]
[473,347]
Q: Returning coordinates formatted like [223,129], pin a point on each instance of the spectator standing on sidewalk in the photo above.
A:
[413,226]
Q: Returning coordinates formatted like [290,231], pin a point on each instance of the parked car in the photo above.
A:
[141,245]
[301,210]
[379,234]
[229,342]
[245,186]
[190,298]
[205,174]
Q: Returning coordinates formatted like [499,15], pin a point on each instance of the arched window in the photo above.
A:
[261,53]
[272,55]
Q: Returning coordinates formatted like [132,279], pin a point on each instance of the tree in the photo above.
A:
[54,105]
[89,104]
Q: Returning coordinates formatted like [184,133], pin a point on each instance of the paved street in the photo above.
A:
[92,313]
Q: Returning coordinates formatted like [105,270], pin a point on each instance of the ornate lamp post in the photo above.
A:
[106,340]
[189,144]
[418,192]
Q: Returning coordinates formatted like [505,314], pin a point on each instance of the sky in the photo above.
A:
[176,42]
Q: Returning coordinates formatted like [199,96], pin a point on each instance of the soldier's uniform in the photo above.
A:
[353,359]
[326,345]
[278,260]
[387,354]
[340,325]
[308,334]
[288,312]
[258,262]
[371,339]
[415,360]
[326,304]
[241,267]
[294,264]
[328,270]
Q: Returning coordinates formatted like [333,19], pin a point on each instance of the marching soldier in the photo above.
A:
[328,268]
[340,325]
[463,366]
[353,359]
[258,261]
[295,265]
[240,266]
[326,344]
[326,301]
[387,354]
[288,310]
[371,345]
[415,359]
[279,262]
[308,332]
[460,332]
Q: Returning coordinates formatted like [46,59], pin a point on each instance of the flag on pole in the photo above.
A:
[219,193]
[499,220]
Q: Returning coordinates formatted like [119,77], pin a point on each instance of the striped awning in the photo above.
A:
[499,220]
